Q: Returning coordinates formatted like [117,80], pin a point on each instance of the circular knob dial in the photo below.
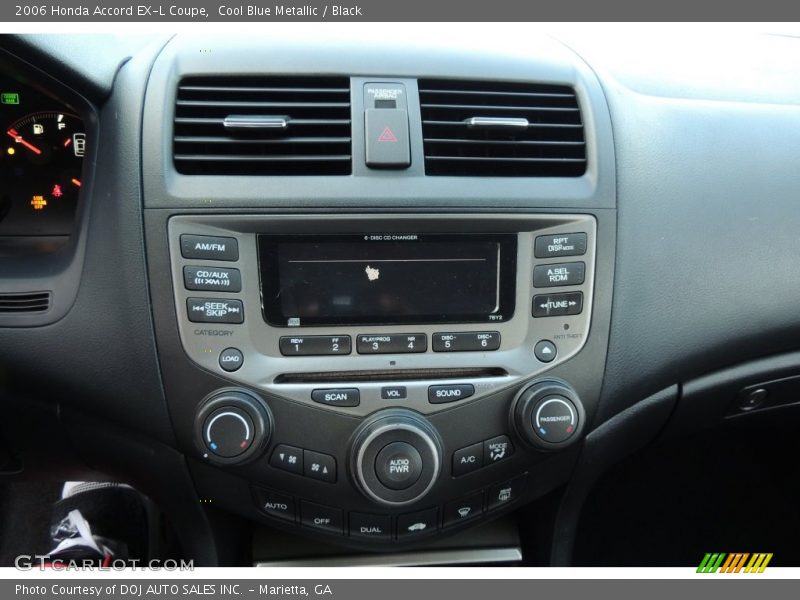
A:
[232,427]
[396,457]
[549,415]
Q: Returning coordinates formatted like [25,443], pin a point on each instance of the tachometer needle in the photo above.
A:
[18,139]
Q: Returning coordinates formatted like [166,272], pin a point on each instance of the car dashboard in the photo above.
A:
[397,301]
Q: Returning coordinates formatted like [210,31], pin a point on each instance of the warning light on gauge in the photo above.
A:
[57,191]
[38,202]
[9,98]
[10,151]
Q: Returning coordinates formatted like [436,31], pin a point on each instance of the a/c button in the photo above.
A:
[467,459]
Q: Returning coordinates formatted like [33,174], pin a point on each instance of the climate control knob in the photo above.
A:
[232,427]
[396,457]
[549,415]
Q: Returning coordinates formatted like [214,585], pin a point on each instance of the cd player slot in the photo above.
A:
[390,376]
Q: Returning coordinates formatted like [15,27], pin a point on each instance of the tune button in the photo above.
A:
[398,466]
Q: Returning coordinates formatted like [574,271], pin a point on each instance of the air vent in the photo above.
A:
[24,303]
[263,126]
[486,128]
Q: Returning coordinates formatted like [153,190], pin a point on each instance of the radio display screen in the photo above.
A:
[385,279]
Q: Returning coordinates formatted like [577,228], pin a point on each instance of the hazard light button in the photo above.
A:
[387,138]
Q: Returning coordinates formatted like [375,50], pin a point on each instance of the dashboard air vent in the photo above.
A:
[24,303]
[487,128]
[263,126]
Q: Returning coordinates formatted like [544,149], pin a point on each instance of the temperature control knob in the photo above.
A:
[549,415]
[232,427]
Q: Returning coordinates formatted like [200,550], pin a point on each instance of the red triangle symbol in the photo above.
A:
[387,136]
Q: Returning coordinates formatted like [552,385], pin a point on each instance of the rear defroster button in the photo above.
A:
[441,394]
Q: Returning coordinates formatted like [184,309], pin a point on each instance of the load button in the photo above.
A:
[441,394]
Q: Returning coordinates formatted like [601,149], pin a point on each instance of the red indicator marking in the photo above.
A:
[387,136]
[57,191]
[76,182]
[12,133]
[570,429]
[243,444]
[67,142]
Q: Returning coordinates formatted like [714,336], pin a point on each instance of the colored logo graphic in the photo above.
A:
[734,563]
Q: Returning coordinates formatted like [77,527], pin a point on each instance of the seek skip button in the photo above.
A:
[337,397]
[215,310]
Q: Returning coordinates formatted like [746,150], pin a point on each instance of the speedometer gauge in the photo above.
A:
[42,155]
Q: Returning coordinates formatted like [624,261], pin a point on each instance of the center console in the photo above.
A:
[377,349]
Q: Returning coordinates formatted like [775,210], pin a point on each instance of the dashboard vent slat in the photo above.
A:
[315,138]
[523,129]
[20,303]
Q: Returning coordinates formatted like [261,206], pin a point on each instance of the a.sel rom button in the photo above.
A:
[215,310]
[212,279]
[441,394]
[314,345]
[560,244]
[466,341]
[559,274]
[400,343]
[211,247]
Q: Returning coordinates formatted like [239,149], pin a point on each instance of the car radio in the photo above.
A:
[385,375]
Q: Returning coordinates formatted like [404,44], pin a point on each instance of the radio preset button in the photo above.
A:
[314,345]
[467,459]
[211,247]
[231,359]
[215,310]
[212,279]
[560,244]
[396,343]
[559,274]
[344,397]
[441,394]
[557,305]
[466,341]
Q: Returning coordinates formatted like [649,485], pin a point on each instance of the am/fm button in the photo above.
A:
[441,394]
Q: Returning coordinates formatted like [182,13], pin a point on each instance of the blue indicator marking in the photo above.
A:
[542,430]
[213,446]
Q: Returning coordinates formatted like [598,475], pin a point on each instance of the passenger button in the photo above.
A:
[467,459]
[288,458]
[215,310]
[395,343]
[560,244]
[557,305]
[231,359]
[559,274]
[317,465]
[417,523]
[504,493]
[314,345]
[211,247]
[497,449]
[463,510]
[377,527]
[275,504]
[398,466]
[321,517]
[212,279]
[467,341]
[441,394]
[342,397]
